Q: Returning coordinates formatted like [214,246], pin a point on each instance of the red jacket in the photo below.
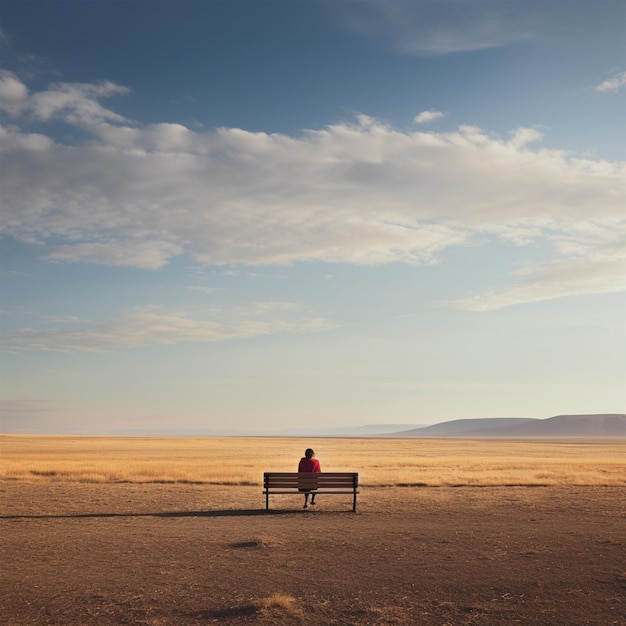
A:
[309,465]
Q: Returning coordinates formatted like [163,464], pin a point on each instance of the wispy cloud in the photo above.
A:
[75,103]
[151,254]
[151,326]
[204,289]
[72,319]
[613,84]
[362,193]
[13,93]
[600,271]
[433,27]
[428,116]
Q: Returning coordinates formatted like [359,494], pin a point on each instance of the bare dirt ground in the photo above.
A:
[105,554]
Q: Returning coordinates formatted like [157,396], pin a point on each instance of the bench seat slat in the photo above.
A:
[294,475]
[310,483]
[329,483]
[317,491]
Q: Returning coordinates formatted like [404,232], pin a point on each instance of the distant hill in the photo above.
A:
[461,427]
[369,430]
[596,425]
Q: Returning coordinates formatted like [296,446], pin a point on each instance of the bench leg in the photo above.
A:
[267,501]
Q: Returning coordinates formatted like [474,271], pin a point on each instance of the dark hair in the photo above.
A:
[308,453]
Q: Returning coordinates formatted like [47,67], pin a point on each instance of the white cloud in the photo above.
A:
[433,27]
[75,103]
[55,319]
[428,116]
[12,141]
[203,289]
[613,84]
[599,271]
[144,254]
[523,136]
[13,93]
[361,193]
[149,326]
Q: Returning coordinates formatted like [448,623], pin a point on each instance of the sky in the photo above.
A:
[267,215]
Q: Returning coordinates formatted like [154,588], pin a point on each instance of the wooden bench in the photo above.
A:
[328,483]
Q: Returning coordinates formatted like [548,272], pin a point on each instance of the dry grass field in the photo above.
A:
[379,461]
[160,532]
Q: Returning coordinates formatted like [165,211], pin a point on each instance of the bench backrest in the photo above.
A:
[310,480]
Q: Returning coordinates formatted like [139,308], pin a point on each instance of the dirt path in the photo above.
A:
[182,555]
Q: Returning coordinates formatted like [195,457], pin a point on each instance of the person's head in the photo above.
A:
[308,453]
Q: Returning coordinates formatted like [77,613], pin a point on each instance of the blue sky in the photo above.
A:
[266,215]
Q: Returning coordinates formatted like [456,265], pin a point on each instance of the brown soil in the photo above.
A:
[106,554]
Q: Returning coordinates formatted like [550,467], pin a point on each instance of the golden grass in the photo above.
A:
[278,601]
[379,461]
[278,608]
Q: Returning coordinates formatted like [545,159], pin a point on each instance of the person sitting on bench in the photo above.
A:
[308,463]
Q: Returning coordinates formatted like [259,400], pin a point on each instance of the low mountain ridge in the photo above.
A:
[461,426]
[590,425]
